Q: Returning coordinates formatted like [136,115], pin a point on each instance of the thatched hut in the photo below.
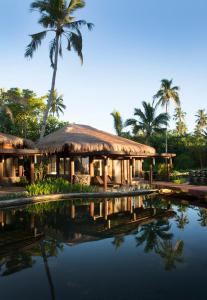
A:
[12,152]
[103,156]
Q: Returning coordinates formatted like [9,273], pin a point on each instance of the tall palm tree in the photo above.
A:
[57,18]
[118,122]
[147,122]
[57,105]
[165,95]
[179,117]
[201,121]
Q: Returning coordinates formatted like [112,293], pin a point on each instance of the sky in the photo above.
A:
[134,44]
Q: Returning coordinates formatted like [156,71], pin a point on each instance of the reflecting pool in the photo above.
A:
[126,248]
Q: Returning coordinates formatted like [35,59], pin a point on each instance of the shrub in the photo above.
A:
[54,186]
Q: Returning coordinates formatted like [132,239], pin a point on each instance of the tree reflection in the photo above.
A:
[182,217]
[118,242]
[151,234]
[171,254]
[15,263]
[157,237]
[202,217]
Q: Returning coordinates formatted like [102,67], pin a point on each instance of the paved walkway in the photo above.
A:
[194,190]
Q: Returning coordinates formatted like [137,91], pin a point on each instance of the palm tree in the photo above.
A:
[165,95]
[179,117]
[56,17]
[201,121]
[148,122]
[57,105]
[118,122]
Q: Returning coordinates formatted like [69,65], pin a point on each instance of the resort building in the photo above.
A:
[13,153]
[85,154]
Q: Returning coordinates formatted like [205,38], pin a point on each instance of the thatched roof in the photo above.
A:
[15,141]
[85,139]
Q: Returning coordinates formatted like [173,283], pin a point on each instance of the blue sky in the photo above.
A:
[133,46]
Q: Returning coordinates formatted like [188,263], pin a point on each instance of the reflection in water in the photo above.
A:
[171,254]
[202,216]
[153,234]
[46,231]
[182,218]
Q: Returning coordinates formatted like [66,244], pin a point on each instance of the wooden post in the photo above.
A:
[151,171]
[21,168]
[122,171]
[64,165]
[13,169]
[106,208]
[101,209]
[129,204]
[130,171]
[113,170]
[91,167]
[105,173]
[167,169]
[134,168]
[72,211]
[57,165]
[92,209]
[32,175]
[1,167]
[72,169]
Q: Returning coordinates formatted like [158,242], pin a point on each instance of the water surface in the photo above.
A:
[128,248]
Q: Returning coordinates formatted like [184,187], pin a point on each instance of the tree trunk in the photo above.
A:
[166,134]
[42,133]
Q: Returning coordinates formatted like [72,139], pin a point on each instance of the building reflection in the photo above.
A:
[45,229]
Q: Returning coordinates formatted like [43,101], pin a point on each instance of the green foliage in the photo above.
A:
[147,122]
[180,180]
[21,114]
[53,186]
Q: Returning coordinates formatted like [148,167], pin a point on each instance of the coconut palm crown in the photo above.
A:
[166,94]
[118,122]
[57,105]
[57,19]
[147,122]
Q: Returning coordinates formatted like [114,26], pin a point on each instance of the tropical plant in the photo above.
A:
[179,117]
[201,122]
[57,17]
[57,105]
[118,122]
[165,95]
[52,186]
[147,122]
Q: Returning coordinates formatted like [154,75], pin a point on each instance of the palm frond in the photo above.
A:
[76,44]
[35,43]
[74,5]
